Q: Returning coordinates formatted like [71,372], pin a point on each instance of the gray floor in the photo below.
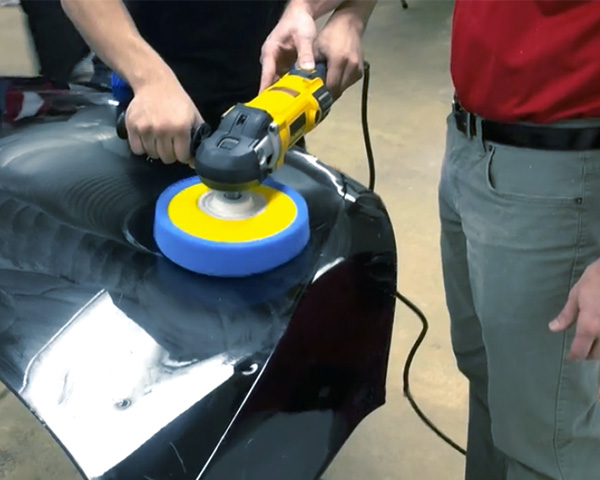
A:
[410,95]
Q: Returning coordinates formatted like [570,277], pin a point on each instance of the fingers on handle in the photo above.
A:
[268,71]
[181,146]
[149,145]
[305,48]
[135,144]
[335,76]
[165,149]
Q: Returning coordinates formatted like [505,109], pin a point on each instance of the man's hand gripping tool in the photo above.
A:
[252,138]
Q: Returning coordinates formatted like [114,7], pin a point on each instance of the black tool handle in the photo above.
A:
[199,132]
[121,126]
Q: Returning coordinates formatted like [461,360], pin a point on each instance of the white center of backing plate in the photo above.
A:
[227,206]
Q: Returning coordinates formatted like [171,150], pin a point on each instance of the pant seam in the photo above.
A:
[558,430]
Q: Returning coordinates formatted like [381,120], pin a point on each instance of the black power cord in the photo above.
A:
[365,124]
[406,375]
[399,296]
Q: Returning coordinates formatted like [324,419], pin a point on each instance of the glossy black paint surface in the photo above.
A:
[143,370]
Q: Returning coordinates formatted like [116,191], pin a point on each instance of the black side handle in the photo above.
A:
[121,127]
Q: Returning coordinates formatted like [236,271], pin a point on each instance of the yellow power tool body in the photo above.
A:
[252,138]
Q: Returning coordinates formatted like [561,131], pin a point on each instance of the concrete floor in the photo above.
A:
[409,100]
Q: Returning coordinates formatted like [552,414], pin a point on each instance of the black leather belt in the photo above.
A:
[539,138]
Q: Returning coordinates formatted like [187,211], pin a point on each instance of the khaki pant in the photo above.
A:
[519,226]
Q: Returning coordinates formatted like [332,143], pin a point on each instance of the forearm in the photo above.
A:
[316,8]
[355,12]
[109,30]
[359,10]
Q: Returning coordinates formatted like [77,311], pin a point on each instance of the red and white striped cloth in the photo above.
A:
[23,101]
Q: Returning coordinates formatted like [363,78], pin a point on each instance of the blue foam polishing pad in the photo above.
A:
[207,232]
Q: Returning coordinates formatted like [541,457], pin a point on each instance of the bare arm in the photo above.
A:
[340,43]
[356,13]
[111,33]
[161,115]
[317,8]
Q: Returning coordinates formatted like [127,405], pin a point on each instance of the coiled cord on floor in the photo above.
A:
[399,296]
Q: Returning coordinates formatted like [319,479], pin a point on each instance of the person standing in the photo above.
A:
[519,203]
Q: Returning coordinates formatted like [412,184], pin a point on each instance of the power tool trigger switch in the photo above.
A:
[228,143]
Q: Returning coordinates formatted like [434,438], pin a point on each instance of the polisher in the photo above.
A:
[232,220]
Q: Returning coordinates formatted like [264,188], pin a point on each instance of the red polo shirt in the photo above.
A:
[527,60]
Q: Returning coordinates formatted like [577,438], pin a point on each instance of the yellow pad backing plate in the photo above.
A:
[279,213]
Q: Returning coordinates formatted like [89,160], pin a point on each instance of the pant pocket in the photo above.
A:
[535,176]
